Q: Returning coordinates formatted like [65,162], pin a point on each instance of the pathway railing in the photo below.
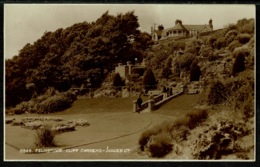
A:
[155,103]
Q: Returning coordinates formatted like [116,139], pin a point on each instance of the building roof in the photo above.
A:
[178,26]
[197,27]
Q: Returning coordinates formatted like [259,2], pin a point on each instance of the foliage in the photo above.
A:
[45,137]
[239,64]
[83,53]
[161,145]
[246,25]
[218,139]
[195,71]
[217,93]
[149,80]
[117,80]
[244,38]
[219,43]
[159,140]
[234,44]
[55,103]
[184,61]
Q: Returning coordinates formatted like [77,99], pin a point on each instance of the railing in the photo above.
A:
[155,102]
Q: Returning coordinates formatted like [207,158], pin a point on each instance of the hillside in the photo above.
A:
[78,56]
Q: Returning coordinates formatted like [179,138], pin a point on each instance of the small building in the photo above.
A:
[128,69]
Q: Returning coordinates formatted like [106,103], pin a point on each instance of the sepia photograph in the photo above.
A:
[129,82]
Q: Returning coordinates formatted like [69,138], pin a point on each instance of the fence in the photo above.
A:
[155,103]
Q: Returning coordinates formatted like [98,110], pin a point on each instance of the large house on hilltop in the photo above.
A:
[180,30]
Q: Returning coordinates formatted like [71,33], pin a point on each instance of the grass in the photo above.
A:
[88,105]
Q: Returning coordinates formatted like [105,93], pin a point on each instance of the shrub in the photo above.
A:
[244,38]
[117,80]
[212,40]
[45,137]
[159,139]
[166,72]
[55,103]
[25,107]
[234,44]
[178,45]
[243,50]
[195,117]
[184,61]
[149,80]
[246,25]
[248,109]
[195,71]
[206,51]
[160,145]
[217,93]
[239,64]
[146,135]
[219,43]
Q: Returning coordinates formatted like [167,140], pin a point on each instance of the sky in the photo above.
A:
[25,23]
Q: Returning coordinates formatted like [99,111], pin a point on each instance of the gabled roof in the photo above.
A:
[178,26]
[197,27]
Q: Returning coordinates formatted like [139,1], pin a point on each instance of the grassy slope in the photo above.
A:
[86,106]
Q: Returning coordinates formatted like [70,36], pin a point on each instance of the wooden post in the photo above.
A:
[150,105]
[135,106]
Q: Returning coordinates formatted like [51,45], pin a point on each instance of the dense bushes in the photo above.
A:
[159,140]
[46,103]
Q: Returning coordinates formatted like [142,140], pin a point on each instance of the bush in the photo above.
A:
[55,103]
[146,135]
[246,25]
[195,117]
[244,38]
[117,80]
[206,51]
[160,145]
[159,139]
[195,71]
[25,107]
[45,137]
[234,44]
[149,80]
[220,43]
[243,50]
[212,40]
[217,93]
[184,61]
[239,64]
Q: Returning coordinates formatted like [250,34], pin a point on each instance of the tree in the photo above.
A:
[239,64]
[149,80]
[117,80]
[84,52]
[195,71]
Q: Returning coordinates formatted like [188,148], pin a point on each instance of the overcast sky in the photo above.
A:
[26,23]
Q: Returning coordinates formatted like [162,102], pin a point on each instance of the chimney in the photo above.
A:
[211,24]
